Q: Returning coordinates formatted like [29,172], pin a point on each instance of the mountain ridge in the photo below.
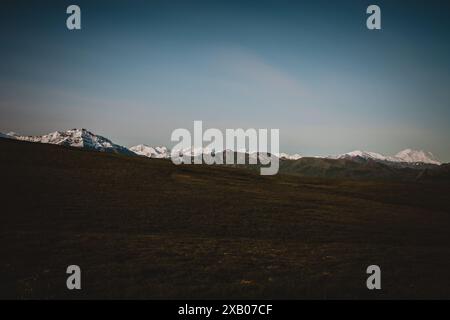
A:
[404,156]
[79,138]
[83,138]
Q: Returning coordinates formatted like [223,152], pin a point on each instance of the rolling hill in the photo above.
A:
[145,228]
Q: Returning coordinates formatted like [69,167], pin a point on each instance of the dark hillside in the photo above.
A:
[145,228]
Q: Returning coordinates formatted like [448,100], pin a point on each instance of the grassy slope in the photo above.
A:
[142,228]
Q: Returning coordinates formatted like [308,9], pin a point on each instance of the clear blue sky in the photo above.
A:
[139,69]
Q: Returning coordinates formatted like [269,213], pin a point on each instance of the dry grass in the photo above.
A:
[142,228]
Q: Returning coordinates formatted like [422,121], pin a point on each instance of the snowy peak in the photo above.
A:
[286,156]
[151,152]
[163,152]
[362,154]
[417,156]
[80,138]
[405,156]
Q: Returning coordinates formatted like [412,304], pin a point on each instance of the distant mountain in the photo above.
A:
[407,156]
[414,156]
[294,156]
[150,152]
[83,138]
[364,155]
[408,164]
[79,138]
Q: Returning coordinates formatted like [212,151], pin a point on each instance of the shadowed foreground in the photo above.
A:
[144,228]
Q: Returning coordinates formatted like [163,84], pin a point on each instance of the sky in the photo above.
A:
[137,70]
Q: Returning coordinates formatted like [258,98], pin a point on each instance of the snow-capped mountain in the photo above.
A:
[414,156]
[150,152]
[80,138]
[195,152]
[294,156]
[406,156]
[164,152]
[83,138]
[363,154]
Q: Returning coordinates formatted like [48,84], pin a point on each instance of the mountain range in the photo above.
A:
[83,138]
[404,156]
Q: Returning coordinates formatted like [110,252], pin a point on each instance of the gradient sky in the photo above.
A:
[140,69]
